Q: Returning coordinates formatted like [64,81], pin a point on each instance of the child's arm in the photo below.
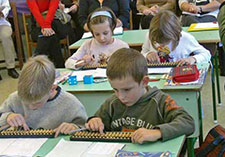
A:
[201,54]
[147,49]
[176,120]
[141,135]
[81,54]
[95,124]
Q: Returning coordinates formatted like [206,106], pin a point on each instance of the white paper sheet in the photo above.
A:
[20,146]
[85,149]
[159,70]
[99,72]
[69,149]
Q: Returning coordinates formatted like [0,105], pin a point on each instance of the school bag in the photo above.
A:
[214,144]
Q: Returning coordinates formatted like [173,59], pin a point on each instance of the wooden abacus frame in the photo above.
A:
[150,65]
[112,136]
[36,133]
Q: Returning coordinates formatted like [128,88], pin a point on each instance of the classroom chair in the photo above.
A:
[64,42]
[17,35]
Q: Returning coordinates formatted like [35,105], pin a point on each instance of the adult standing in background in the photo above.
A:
[208,10]
[151,7]
[5,37]
[119,7]
[48,31]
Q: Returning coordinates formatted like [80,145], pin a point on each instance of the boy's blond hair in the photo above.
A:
[101,18]
[36,79]
[127,62]
[165,27]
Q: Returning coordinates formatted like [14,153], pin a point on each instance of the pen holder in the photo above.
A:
[72,80]
[88,79]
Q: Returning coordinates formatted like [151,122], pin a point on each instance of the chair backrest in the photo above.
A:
[29,42]
[17,34]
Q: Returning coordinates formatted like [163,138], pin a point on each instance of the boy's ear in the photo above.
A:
[54,86]
[145,80]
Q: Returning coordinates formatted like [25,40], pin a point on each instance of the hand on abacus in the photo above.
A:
[186,61]
[16,120]
[141,135]
[95,124]
[152,57]
[88,59]
[65,128]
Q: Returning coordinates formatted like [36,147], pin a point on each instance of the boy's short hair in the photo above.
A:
[127,62]
[101,18]
[36,79]
[165,27]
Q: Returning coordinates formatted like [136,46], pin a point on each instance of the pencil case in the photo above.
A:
[186,73]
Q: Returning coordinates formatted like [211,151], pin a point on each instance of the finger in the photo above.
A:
[87,126]
[14,123]
[57,130]
[11,123]
[25,127]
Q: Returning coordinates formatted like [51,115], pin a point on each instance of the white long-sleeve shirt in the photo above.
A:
[187,45]
[6,8]
[93,48]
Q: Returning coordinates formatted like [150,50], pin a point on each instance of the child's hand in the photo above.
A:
[95,124]
[152,57]
[88,59]
[187,61]
[142,134]
[16,120]
[65,128]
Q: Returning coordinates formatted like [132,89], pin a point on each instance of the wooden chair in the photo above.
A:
[17,35]
[64,42]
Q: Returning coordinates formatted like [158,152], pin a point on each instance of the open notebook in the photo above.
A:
[117,31]
[85,149]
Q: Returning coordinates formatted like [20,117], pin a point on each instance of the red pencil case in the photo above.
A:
[187,73]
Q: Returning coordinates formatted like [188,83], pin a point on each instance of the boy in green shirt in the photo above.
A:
[135,106]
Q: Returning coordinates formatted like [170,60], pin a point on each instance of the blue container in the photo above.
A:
[72,80]
[88,79]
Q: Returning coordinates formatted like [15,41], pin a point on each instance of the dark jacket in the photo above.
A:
[119,7]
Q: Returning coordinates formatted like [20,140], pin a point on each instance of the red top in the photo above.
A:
[39,6]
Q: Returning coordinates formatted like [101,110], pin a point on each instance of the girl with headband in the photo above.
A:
[97,50]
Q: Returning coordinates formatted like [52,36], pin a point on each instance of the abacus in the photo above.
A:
[38,133]
[150,65]
[164,64]
[106,137]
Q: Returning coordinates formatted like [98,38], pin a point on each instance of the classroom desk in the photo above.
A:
[93,95]
[135,38]
[174,146]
